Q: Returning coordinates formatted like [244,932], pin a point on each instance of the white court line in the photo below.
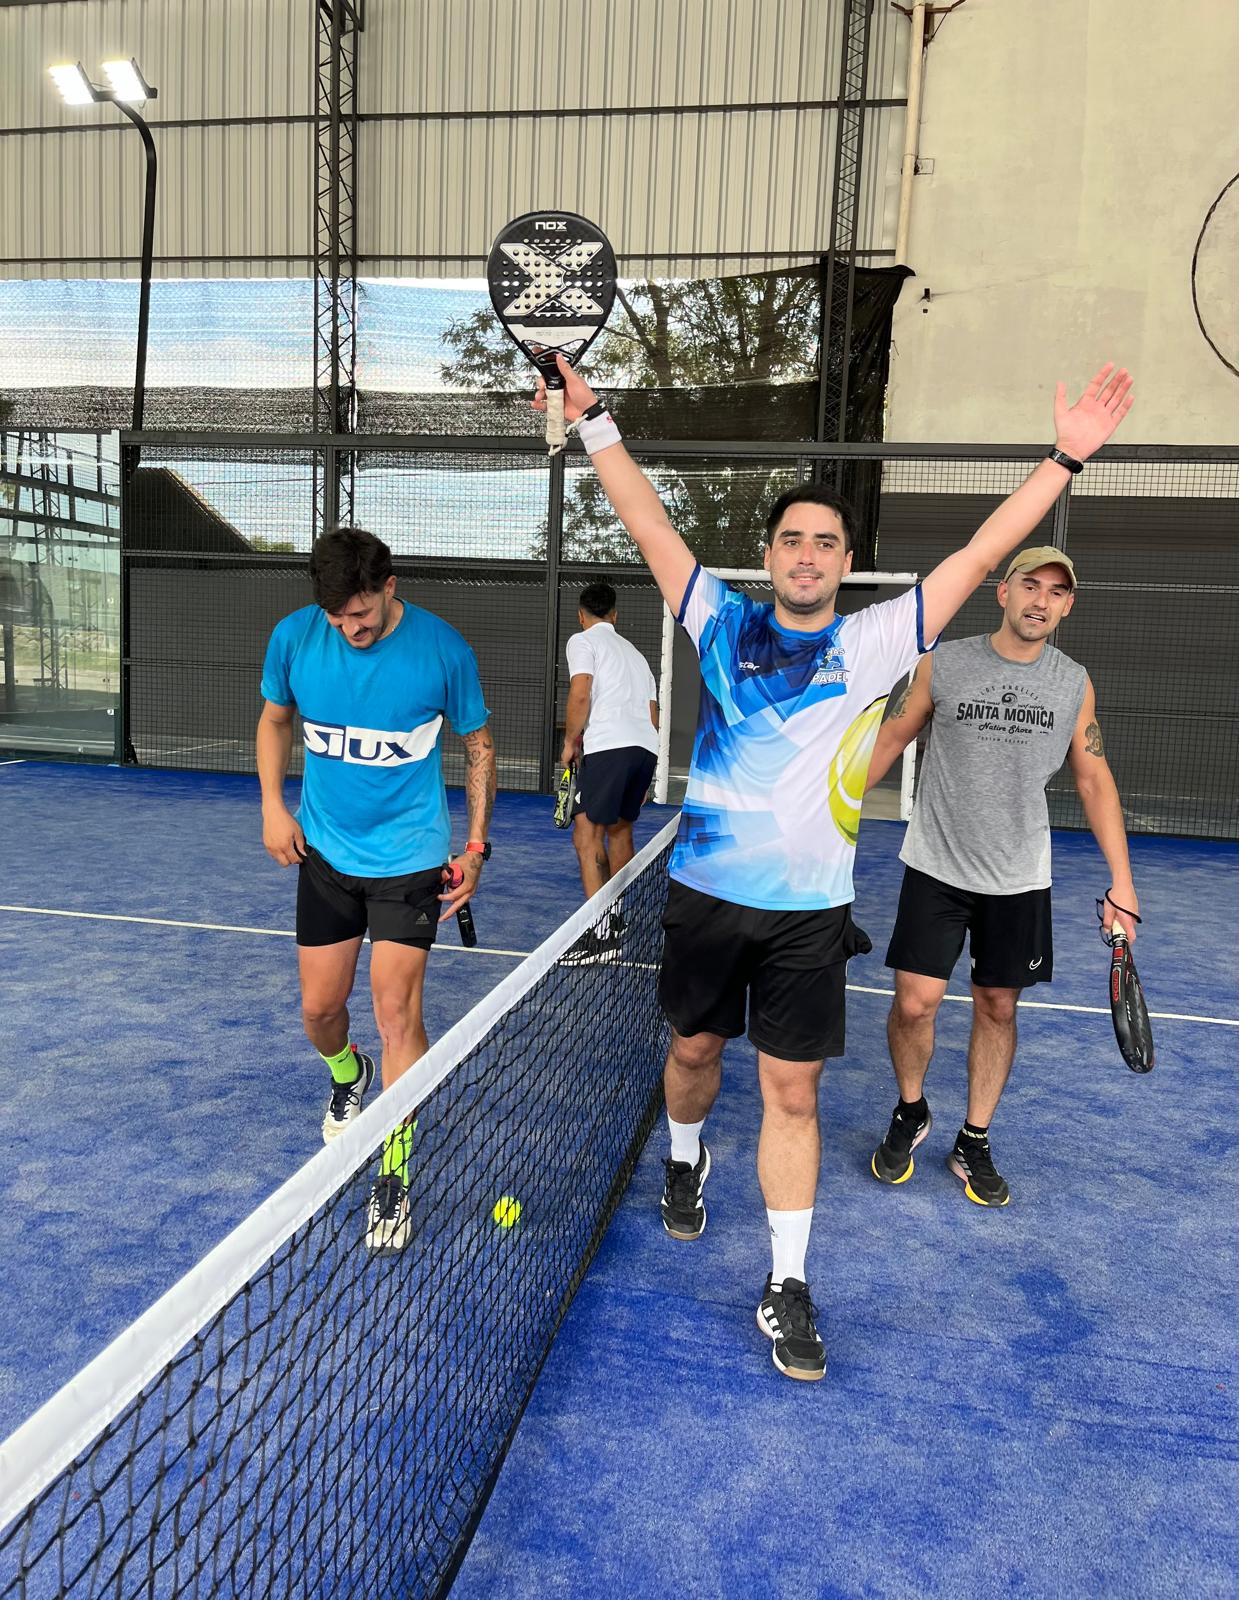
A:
[1058,1005]
[228,927]
[519,955]
[16,761]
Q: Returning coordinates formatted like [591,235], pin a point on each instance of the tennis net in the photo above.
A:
[300,1416]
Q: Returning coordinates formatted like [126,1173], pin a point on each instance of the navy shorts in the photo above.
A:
[786,969]
[612,784]
[333,906]
[1011,935]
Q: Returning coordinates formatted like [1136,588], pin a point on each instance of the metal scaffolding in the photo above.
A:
[840,290]
[335,252]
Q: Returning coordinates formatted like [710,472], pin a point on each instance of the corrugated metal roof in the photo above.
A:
[652,116]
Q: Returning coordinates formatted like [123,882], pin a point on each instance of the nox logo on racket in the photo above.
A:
[546,273]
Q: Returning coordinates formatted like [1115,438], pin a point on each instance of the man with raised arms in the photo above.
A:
[758,916]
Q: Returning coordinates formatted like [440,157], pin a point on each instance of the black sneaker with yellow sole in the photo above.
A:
[972,1161]
[892,1161]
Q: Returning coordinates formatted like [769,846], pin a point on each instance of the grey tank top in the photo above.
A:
[999,732]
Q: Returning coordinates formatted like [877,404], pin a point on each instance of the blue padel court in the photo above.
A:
[1034,1401]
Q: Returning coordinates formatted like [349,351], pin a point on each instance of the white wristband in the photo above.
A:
[598,432]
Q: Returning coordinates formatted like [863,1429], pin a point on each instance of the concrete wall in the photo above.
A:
[1078,147]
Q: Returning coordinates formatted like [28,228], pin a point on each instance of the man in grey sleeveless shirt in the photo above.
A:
[1004,710]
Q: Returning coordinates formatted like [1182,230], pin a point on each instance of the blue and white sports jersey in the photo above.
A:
[372,799]
[785,732]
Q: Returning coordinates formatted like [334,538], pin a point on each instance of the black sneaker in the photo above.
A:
[346,1098]
[786,1317]
[892,1161]
[971,1160]
[389,1225]
[684,1212]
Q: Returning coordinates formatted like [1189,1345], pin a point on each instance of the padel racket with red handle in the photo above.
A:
[551,276]
[1127,1007]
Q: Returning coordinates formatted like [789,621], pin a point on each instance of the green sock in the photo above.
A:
[397,1148]
[345,1067]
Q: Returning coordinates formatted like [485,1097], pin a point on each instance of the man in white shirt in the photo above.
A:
[612,717]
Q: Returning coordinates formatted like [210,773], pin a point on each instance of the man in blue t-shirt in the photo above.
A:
[373,679]
[758,922]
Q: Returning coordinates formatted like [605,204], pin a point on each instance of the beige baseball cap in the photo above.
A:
[1041,555]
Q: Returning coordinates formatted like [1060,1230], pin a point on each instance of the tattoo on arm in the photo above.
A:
[479,781]
[901,705]
[1092,740]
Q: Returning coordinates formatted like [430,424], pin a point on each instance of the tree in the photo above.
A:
[711,358]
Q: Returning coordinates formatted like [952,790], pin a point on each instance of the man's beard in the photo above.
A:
[805,608]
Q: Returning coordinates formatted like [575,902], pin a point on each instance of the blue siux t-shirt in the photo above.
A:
[372,800]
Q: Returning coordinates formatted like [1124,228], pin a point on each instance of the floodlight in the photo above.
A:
[73,84]
[127,82]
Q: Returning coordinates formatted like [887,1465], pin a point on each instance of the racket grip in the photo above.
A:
[556,434]
[467,926]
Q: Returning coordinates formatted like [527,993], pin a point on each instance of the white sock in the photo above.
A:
[789,1242]
[686,1140]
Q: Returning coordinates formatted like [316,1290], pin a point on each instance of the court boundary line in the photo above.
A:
[1063,1005]
[231,927]
[522,955]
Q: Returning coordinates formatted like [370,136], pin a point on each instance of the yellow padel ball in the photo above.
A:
[507,1211]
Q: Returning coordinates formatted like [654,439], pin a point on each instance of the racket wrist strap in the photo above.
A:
[1111,901]
[597,431]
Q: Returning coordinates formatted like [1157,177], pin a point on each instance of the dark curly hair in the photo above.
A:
[347,562]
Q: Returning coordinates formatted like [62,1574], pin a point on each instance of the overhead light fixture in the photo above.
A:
[73,84]
[127,82]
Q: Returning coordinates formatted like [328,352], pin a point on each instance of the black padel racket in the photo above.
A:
[551,276]
[1127,1007]
[565,791]
[464,917]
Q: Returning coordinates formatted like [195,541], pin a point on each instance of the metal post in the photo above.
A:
[148,252]
[1062,516]
[124,750]
[554,558]
[839,290]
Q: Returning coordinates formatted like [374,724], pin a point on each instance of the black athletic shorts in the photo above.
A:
[1011,936]
[333,906]
[612,784]
[788,968]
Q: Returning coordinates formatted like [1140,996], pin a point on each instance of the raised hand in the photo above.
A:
[578,396]
[1083,428]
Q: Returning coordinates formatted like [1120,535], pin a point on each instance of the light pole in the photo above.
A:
[129,89]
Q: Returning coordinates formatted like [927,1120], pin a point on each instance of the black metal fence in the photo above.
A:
[498,541]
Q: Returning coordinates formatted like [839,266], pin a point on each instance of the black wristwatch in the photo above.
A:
[475,847]
[1064,460]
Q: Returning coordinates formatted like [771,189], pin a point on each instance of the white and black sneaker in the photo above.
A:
[683,1209]
[346,1098]
[389,1223]
[787,1318]
[592,948]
